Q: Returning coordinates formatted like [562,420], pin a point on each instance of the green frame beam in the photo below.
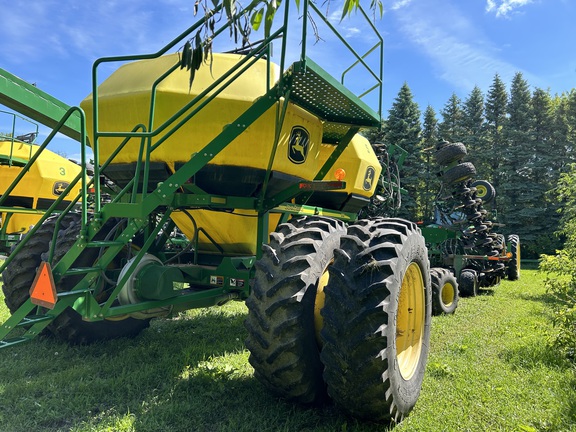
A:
[30,101]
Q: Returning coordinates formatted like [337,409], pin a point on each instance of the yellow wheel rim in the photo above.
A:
[410,321]
[447,294]
[481,191]
[319,303]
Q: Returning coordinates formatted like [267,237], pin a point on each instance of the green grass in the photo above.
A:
[490,368]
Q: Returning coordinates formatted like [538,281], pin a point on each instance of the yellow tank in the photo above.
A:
[359,167]
[39,188]
[124,101]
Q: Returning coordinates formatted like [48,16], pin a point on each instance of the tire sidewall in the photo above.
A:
[444,277]
[406,392]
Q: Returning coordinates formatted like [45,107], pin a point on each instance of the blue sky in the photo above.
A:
[437,46]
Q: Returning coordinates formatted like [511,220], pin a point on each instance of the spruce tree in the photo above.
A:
[403,128]
[430,139]
[474,130]
[571,105]
[492,153]
[561,133]
[517,157]
[451,128]
[540,214]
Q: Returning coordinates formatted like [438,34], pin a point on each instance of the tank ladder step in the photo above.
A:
[13,341]
[74,271]
[317,91]
[30,323]
[27,324]
[33,319]
[104,243]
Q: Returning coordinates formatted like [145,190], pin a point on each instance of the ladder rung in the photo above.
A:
[104,243]
[81,271]
[12,341]
[34,319]
[74,293]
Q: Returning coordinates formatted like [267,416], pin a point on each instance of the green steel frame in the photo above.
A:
[304,83]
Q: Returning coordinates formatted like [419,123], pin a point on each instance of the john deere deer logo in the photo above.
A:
[298,145]
[59,187]
[369,178]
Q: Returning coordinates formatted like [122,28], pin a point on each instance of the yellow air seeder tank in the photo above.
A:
[124,101]
[46,180]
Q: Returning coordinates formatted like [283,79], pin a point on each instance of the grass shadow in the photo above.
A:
[535,354]
[545,298]
[185,374]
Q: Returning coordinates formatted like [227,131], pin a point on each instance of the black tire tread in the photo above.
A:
[69,325]
[513,264]
[21,271]
[459,173]
[449,153]
[467,283]
[356,349]
[280,323]
[439,277]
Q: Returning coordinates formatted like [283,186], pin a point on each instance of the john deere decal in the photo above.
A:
[59,187]
[369,178]
[298,145]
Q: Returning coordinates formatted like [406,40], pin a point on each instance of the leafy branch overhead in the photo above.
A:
[243,20]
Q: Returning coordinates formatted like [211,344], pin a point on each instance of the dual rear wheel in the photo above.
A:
[343,312]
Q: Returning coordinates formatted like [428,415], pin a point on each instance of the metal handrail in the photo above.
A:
[13,137]
[378,77]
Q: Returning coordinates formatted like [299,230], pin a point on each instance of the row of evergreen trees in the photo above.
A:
[520,141]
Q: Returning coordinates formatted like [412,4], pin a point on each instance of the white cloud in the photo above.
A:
[503,7]
[399,4]
[460,54]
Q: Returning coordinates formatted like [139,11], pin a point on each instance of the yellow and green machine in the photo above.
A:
[43,182]
[244,184]
[464,248]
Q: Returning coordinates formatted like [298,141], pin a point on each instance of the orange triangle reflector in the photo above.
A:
[43,290]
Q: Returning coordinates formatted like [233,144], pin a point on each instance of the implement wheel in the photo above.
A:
[21,271]
[514,263]
[444,291]
[468,283]
[450,153]
[69,325]
[459,173]
[377,319]
[484,190]
[283,309]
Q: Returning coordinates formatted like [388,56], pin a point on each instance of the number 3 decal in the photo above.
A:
[62,171]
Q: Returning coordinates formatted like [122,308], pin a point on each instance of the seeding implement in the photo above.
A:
[38,186]
[465,251]
[245,185]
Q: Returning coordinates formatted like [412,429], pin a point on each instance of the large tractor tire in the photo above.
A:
[468,283]
[283,309]
[449,153]
[69,325]
[21,271]
[514,263]
[459,173]
[444,291]
[377,318]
